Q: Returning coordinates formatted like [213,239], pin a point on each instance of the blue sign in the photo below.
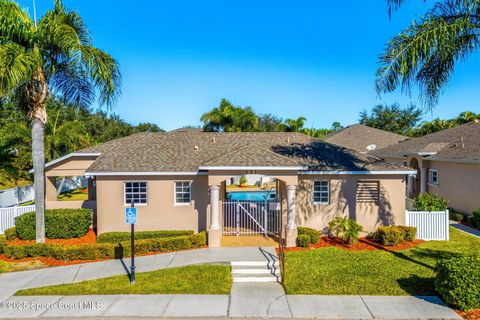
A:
[131,215]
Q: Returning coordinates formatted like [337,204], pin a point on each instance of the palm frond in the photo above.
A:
[425,52]
[15,24]
[104,73]
[16,66]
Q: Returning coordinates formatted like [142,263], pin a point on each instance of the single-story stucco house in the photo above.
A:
[447,164]
[363,139]
[177,180]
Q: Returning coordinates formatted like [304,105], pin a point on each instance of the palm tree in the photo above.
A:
[425,53]
[294,125]
[229,118]
[53,56]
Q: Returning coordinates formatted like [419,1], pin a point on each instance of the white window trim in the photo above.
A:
[125,194]
[313,193]
[430,182]
[181,204]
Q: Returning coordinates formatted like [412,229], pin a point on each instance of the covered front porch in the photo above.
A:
[249,217]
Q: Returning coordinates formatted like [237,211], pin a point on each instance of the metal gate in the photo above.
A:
[249,218]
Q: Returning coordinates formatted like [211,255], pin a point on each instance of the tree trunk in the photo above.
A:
[38,157]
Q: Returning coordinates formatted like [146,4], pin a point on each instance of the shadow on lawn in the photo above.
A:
[418,286]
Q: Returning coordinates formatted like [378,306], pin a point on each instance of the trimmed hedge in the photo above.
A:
[475,218]
[3,243]
[59,224]
[303,240]
[314,234]
[458,281]
[105,250]
[11,233]
[455,216]
[393,235]
[114,237]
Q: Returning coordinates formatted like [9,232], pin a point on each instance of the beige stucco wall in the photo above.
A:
[160,213]
[73,166]
[391,208]
[459,183]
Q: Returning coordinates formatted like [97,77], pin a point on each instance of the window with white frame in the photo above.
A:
[183,191]
[135,192]
[432,176]
[321,192]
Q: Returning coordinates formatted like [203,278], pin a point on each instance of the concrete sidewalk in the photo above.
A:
[14,281]
[254,301]
[471,231]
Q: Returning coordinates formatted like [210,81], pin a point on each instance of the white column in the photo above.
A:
[410,183]
[214,232]
[214,204]
[291,195]
[423,180]
[291,228]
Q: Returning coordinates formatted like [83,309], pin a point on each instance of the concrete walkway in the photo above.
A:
[252,300]
[257,301]
[466,229]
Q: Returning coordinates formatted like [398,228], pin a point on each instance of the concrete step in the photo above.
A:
[254,271]
[254,263]
[256,279]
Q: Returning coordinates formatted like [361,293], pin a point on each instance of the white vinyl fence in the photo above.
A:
[14,196]
[430,225]
[8,215]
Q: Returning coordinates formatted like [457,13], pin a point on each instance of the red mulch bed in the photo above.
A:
[88,238]
[470,315]
[363,244]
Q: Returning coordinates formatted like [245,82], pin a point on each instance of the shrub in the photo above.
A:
[410,233]
[475,218]
[3,243]
[59,224]
[303,240]
[314,234]
[243,180]
[427,202]
[114,237]
[458,281]
[389,235]
[345,228]
[455,216]
[104,250]
[11,233]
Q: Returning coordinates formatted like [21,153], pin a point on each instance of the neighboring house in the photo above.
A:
[447,163]
[363,139]
[178,181]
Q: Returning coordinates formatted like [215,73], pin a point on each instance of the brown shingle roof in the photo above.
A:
[461,143]
[187,151]
[357,137]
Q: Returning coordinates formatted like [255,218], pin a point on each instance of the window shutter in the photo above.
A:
[368,191]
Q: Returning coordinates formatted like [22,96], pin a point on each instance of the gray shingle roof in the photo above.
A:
[461,143]
[357,137]
[187,151]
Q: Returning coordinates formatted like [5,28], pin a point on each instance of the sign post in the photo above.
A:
[131,218]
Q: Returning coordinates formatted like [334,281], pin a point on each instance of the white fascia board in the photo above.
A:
[273,168]
[73,154]
[452,160]
[427,153]
[146,173]
[391,172]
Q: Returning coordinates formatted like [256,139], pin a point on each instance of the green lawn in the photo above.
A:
[73,195]
[200,279]
[333,271]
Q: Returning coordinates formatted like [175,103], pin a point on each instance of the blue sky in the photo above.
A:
[290,58]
